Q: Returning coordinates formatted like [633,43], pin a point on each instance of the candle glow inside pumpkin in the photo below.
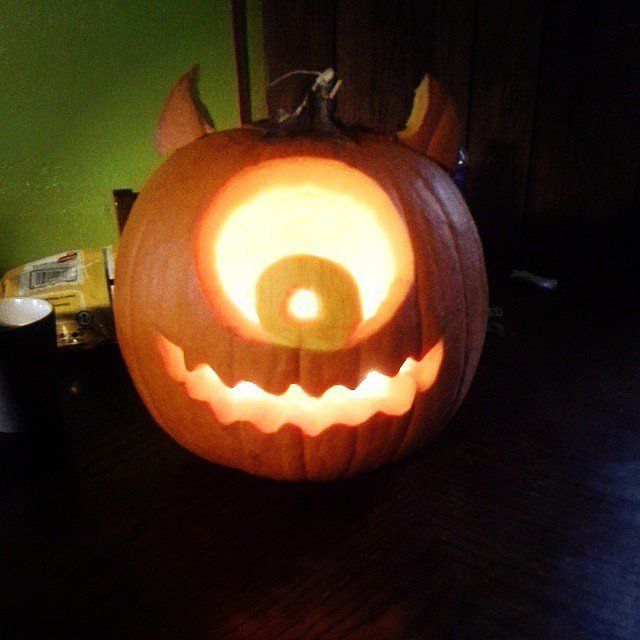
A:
[303,304]
[304,206]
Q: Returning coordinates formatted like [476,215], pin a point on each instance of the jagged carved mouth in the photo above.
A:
[247,402]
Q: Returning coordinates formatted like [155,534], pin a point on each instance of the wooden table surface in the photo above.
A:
[521,521]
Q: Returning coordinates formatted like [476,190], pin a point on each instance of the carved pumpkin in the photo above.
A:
[298,306]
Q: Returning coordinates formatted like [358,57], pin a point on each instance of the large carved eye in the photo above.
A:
[303,252]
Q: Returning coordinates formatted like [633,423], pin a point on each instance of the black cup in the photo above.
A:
[27,355]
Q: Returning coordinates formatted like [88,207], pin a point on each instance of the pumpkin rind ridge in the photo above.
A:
[156,291]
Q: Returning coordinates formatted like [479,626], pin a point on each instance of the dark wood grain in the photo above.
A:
[521,521]
[548,93]
[586,147]
[123,200]
[383,50]
[239,20]
[505,71]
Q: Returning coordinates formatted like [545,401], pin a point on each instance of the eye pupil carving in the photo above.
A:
[308,302]
[303,305]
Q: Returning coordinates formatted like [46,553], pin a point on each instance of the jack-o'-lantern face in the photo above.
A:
[311,254]
[298,308]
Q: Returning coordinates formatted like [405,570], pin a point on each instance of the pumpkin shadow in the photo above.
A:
[280,542]
[271,545]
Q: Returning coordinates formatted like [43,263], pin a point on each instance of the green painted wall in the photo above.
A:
[81,85]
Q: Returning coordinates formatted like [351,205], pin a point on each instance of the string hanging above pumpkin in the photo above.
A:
[324,82]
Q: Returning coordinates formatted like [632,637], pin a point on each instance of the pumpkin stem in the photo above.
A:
[314,115]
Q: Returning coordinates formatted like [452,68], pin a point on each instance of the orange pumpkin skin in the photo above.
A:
[158,293]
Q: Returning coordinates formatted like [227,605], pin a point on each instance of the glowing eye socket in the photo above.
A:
[303,304]
[302,206]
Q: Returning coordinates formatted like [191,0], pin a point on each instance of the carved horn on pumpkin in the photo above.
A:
[183,117]
[433,127]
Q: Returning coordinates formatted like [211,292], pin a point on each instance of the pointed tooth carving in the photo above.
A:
[246,401]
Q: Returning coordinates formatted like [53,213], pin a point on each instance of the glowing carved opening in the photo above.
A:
[303,304]
[247,402]
[302,206]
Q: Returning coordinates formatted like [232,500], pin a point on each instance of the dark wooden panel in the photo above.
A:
[384,48]
[587,129]
[505,67]
[298,35]
[550,104]
[239,17]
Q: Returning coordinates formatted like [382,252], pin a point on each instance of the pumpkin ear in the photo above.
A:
[433,128]
[184,117]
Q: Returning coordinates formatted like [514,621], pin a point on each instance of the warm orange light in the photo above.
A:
[246,401]
[303,206]
[303,304]
[308,219]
